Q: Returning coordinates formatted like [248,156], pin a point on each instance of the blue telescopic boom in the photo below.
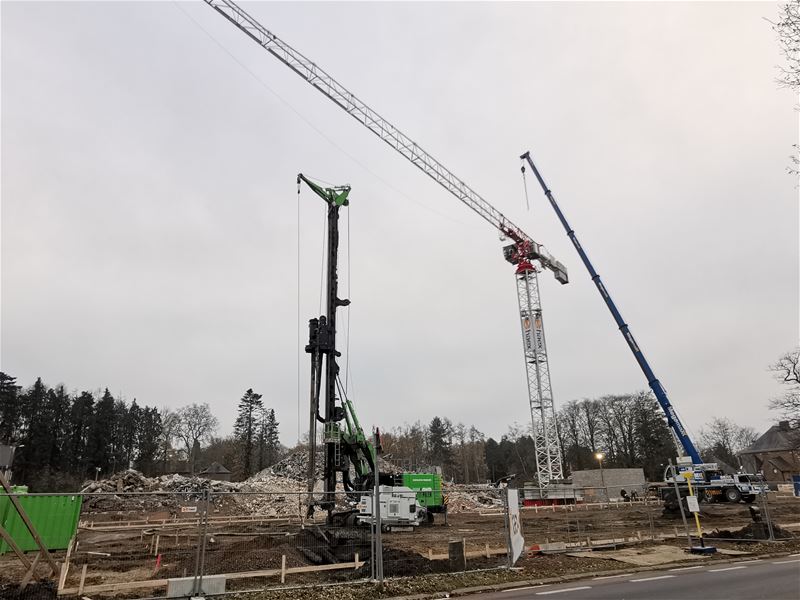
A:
[661,394]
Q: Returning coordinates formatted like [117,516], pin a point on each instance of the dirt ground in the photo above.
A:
[128,551]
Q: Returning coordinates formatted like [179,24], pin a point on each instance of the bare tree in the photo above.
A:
[787,370]
[169,428]
[516,434]
[723,439]
[788,29]
[195,425]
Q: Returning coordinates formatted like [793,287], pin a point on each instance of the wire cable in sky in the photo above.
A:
[314,127]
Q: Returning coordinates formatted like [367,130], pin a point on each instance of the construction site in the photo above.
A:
[141,537]
[340,516]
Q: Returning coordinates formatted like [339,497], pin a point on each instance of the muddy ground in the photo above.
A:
[128,552]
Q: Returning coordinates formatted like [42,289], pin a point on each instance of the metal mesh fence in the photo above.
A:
[471,535]
[180,543]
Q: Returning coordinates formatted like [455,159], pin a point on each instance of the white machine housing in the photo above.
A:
[398,507]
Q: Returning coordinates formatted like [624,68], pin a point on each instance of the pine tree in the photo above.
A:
[101,434]
[59,403]
[129,428]
[245,428]
[10,414]
[148,440]
[440,433]
[36,430]
[273,442]
[79,422]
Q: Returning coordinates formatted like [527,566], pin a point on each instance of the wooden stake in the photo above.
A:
[83,578]
[65,566]
[13,545]
[63,575]
[24,516]
[430,553]
[355,559]
[27,577]
[283,568]
[487,550]
[155,551]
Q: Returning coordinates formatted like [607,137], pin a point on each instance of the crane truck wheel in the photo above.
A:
[732,494]
[670,501]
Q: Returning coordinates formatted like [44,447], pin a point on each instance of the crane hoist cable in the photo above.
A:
[525,187]
[299,337]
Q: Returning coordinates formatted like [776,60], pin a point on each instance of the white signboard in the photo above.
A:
[526,333]
[694,505]
[188,509]
[514,525]
[538,334]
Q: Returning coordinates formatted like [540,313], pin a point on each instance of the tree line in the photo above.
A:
[630,431]
[63,438]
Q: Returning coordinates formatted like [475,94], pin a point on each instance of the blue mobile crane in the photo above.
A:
[711,483]
[655,385]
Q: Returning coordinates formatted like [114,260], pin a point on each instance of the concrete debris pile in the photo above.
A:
[131,490]
[466,498]
[384,466]
[272,495]
[193,487]
[277,491]
[124,481]
[294,467]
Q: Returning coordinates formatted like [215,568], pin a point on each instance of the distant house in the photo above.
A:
[776,453]
[215,471]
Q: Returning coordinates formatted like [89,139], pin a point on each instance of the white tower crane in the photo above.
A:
[524,252]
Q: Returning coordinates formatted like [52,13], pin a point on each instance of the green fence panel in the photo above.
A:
[54,517]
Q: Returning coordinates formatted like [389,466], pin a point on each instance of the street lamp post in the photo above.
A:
[600,456]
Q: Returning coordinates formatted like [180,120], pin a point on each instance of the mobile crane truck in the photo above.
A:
[711,483]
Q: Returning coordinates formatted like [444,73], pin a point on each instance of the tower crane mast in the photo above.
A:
[524,252]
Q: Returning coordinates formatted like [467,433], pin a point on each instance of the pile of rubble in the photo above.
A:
[124,481]
[294,467]
[277,491]
[464,498]
[131,490]
[130,481]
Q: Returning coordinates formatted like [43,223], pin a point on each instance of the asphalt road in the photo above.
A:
[767,579]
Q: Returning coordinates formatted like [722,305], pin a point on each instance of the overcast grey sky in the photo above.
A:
[150,215]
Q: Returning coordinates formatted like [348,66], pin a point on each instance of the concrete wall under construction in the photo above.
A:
[595,482]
